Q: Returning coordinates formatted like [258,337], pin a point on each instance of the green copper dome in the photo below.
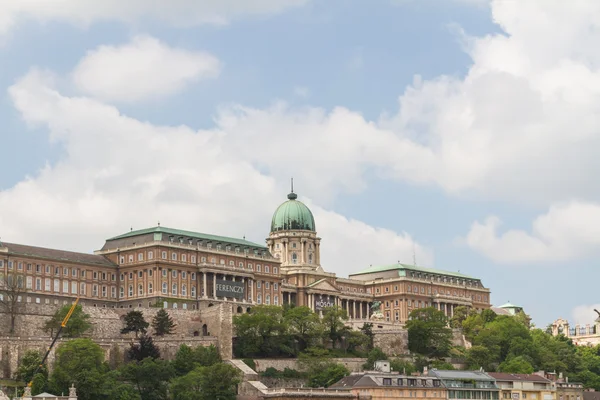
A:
[292,214]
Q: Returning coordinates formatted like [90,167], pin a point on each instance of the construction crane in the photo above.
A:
[62,325]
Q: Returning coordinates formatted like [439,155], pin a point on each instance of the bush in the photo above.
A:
[250,362]
[271,373]
[292,374]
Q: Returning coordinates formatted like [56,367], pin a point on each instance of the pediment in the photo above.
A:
[323,285]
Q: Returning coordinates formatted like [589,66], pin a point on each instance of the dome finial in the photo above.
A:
[292,195]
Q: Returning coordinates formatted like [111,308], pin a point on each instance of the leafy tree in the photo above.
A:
[516,365]
[428,333]
[367,329]
[149,377]
[460,314]
[79,362]
[303,325]
[30,362]
[187,358]
[115,388]
[77,325]
[163,323]
[355,340]
[333,323]
[488,315]
[326,374]
[216,382]
[403,366]
[143,348]
[523,319]
[135,322]
[11,290]
[263,332]
[500,333]
[374,355]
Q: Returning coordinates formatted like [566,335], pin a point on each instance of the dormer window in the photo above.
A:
[171,239]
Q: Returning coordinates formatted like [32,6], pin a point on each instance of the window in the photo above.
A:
[150,289]
[113,292]
[47,269]
[149,272]
[258,267]
[140,274]
[174,289]
[150,255]
[113,277]
[267,284]
[20,266]
[104,276]
[56,270]
[122,292]
[38,284]
[232,263]
[267,269]
[38,268]
[140,290]
[293,245]
[193,259]
[131,276]
[259,300]
[95,290]
[131,258]
[275,286]
[268,299]
[387,289]
[193,276]
[174,274]
[294,258]
[29,283]
[164,273]
[258,284]
[194,291]
[122,277]
[164,255]
[184,257]
[122,260]
[104,293]
[65,286]
[396,303]
[203,259]
[250,266]
[184,290]
[276,300]
[222,262]
[140,256]
[83,274]
[174,256]
[274,270]
[56,285]
[310,258]
[164,287]
[387,381]
[183,275]
[82,288]
[130,291]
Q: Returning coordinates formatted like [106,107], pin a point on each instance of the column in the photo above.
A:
[285,252]
[360,308]
[204,294]
[244,286]
[318,253]
[214,285]
[368,311]
[251,285]
[353,309]
[302,249]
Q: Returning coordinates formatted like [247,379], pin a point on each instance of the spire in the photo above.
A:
[292,195]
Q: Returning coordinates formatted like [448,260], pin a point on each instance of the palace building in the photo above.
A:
[174,268]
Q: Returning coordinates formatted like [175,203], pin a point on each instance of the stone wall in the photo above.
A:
[353,364]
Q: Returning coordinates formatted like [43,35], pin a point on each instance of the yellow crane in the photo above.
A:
[62,325]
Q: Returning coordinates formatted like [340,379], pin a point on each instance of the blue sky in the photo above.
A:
[324,91]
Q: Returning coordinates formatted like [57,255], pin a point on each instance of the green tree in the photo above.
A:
[326,374]
[367,329]
[79,362]
[403,366]
[149,377]
[334,323]
[77,325]
[28,365]
[216,382]
[135,322]
[459,315]
[354,341]
[428,333]
[376,354]
[516,365]
[143,348]
[263,332]
[187,358]
[163,323]
[523,319]
[303,325]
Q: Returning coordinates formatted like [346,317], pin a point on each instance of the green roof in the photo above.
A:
[195,235]
[509,305]
[405,267]
[292,215]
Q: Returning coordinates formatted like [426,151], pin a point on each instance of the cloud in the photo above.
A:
[301,91]
[566,232]
[180,13]
[144,68]
[118,172]
[584,314]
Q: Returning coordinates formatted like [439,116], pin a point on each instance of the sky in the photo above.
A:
[462,134]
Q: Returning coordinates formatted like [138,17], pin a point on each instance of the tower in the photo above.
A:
[293,238]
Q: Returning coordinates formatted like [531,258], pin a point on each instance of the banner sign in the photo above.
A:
[323,302]
[230,289]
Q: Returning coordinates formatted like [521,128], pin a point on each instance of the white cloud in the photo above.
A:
[177,13]
[144,68]
[568,231]
[301,91]
[584,314]
[118,172]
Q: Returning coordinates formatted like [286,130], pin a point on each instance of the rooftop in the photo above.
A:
[188,234]
[502,376]
[456,374]
[509,305]
[55,255]
[406,267]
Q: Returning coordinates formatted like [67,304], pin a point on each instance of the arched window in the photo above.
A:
[164,287]
[268,299]
[259,299]
[276,300]
[150,288]
[140,290]
[122,292]
[184,290]
[174,289]
[193,291]
[294,258]
[130,291]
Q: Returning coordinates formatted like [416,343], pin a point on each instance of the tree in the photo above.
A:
[333,323]
[149,377]
[187,359]
[163,323]
[263,332]
[459,315]
[143,348]
[216,382]
[326,374]
[79,362]
[30,361]
[11,291]
[403,366]
[303,324]
[428,333]
[516,365]
[135,322]
[523,319]
[375,354]
[367,329]
[77,325]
